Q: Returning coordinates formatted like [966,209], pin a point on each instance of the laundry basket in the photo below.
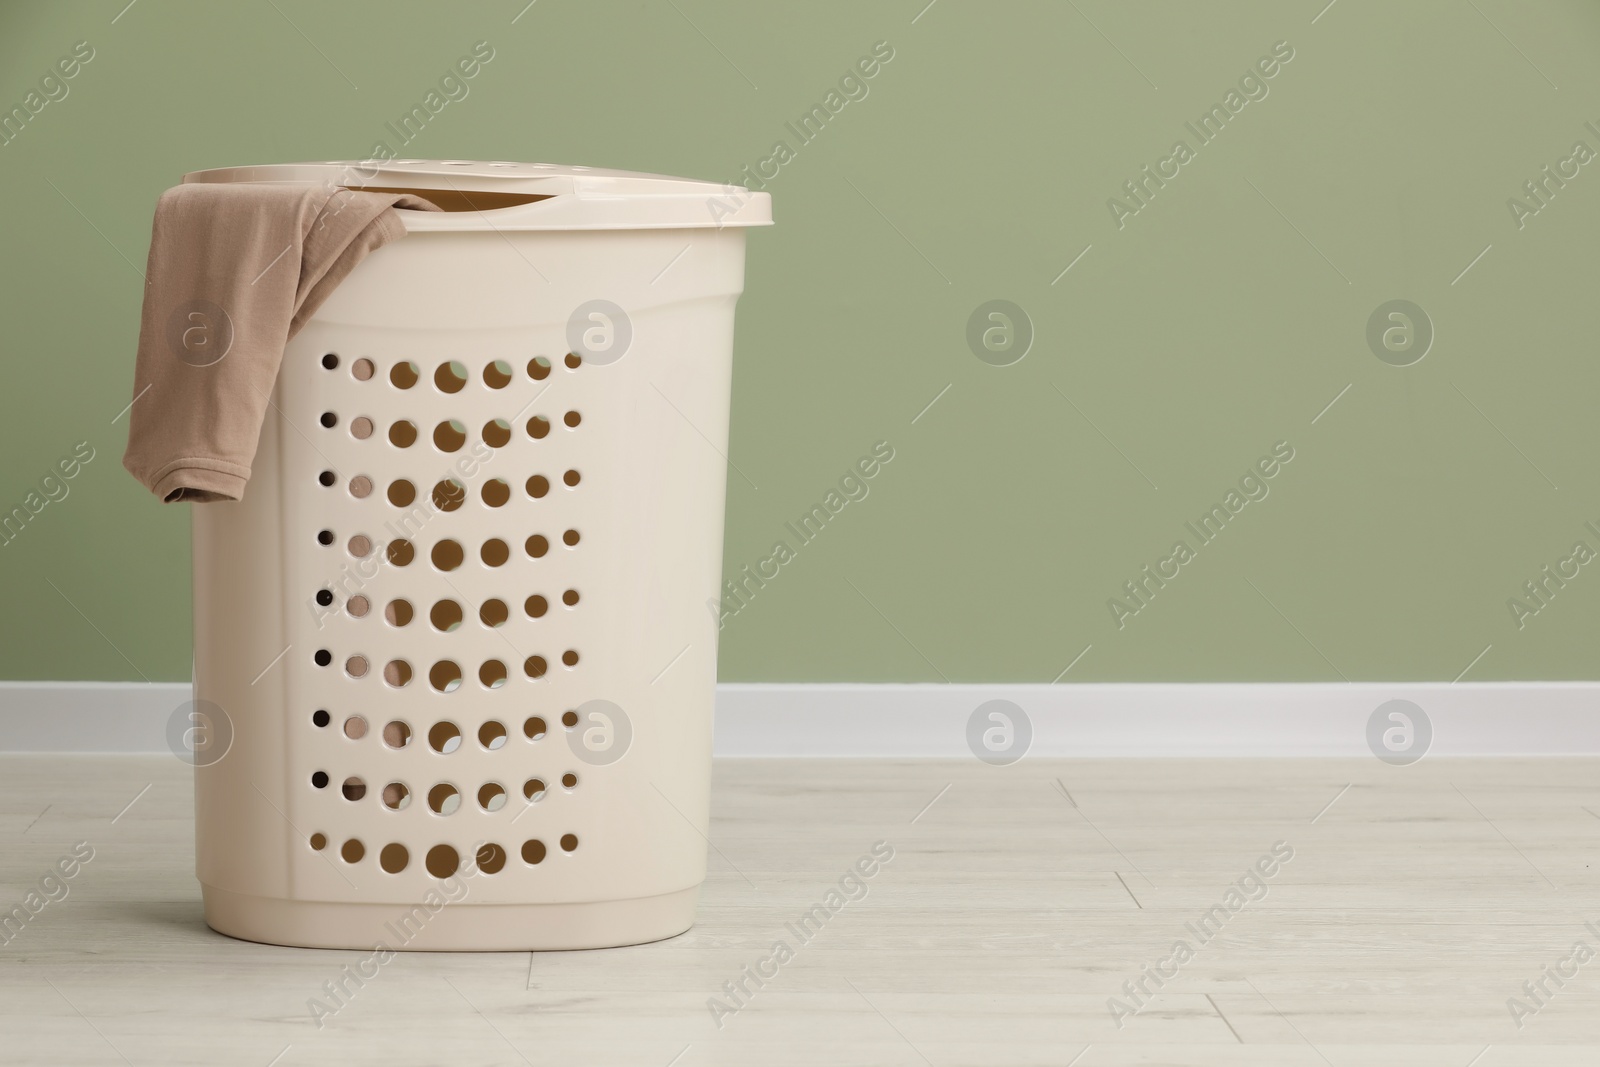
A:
[455,639]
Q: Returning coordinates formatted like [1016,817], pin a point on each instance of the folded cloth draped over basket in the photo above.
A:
[236,269]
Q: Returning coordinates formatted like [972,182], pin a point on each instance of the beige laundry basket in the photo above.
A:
[456,633]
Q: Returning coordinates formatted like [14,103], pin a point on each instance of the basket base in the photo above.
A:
[454,928]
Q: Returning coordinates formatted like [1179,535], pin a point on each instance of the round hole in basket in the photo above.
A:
[320,718]
[444,737]
[570,538]
[352,851]
[450,377]
[534,727]
[569,780]
[325,537]
[496,492]
[398,612]
[569,719]
[538,368]
[574,361]
[497,433]
[353,788]
[569,842]
[570,598]
[400,552]
[362,370]
[572,478]
[403,434]
[533,852]
[497,375]
[358,606]
[404,375]
[397,673]
[537,545]
[442,861]
[319,780]
[397,796]
[535,606]
[397,734]
[327,478]
[322,657]
[533,789]
[360,545]
[570,657]
[361,487]
[402,492]
[330,361]
[538,427]
[324,597]
[572,418]
[356,666]
[445,615]
[445,676]
[538,486]
[492,674]
[494,552]
[361,428]
[449,495]
[491,796]
[355,727]
[449,436]
[492,735]
[535,666]
[393,858]
[494,613]
[448,554]
[319,842]
[444,799]
[491,858]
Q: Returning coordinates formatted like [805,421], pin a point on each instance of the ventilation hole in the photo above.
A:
[492,674]
[533,728]
[355,727]
[397,734]
[397,672]
[329,420]
[570,597]
[356,666]
[491,859]
[572,418]
[449,495]
[444,799]
[570,538]
[445,736]
[492,735]
[538,368]
[327,477]
[574,361]
[394,858]
[352,851]
[492,797]
[538,427]
[404,375]
[353,788]
[537,545]
[363,370]
[361,428]
[535,666]
[360,545]
[496,492]
[497,375]
[330,361]
[445,616]
[403,434]
[569,842]
[361,487]
[538,486]
[325,537]
[497,434]
[442,861]
[448,554]
[533,790]
[445,676]
[532,852]
[321,718]
[402,493]
[572,478]
[319,841]
[398,613]
[324,597]
[358,606]
[319,780]
[450,377]
[400,552]
[322,658]
[494,613]
[570,658]
[495,552]
[449,436]
[569,719]
[397,796]
[569,780]
[535,606]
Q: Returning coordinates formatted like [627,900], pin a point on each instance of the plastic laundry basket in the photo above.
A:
[456,636]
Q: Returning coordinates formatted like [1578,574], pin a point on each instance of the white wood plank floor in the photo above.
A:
[1418,900]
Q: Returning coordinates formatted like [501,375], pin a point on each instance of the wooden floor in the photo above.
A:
[1018,902]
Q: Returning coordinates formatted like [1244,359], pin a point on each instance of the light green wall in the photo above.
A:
[1219,320]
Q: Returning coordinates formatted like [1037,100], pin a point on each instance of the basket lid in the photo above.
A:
[500,195]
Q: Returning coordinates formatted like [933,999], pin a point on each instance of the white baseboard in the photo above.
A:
[1210,719]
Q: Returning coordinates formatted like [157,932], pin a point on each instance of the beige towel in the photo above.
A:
[236,269]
